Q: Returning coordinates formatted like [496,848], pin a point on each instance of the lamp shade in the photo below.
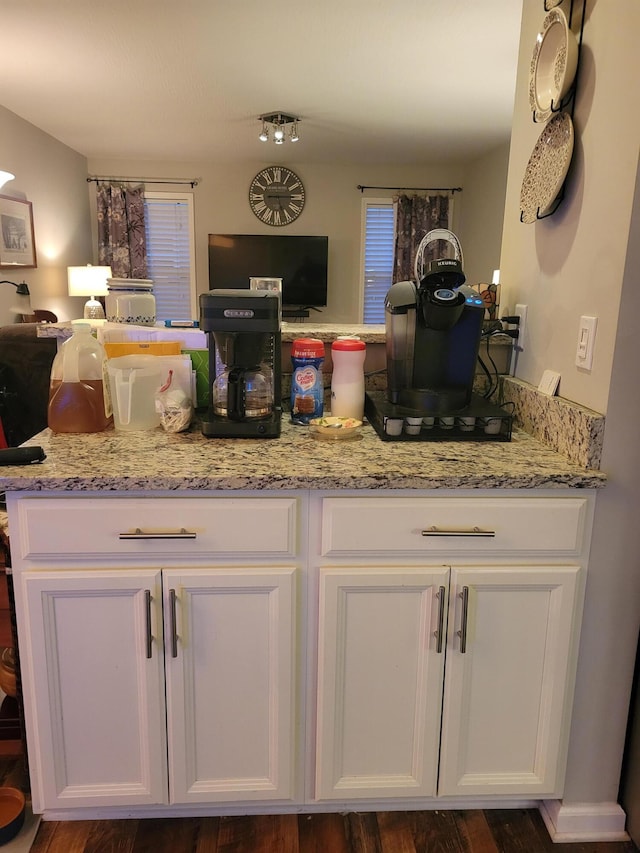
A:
[88,280]
[5,177]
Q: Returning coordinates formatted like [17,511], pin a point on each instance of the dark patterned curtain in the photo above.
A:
[122,243]
[415,217]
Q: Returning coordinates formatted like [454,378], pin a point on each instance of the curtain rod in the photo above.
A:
[421,189]
[193,182]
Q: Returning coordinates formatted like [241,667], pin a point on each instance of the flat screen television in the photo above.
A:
[301,263]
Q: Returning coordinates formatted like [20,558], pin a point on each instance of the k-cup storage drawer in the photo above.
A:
[141,527]
[384,526]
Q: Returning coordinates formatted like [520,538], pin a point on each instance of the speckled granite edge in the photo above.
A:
[572,430]
[328,332]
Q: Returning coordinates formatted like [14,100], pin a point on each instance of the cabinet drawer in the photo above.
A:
[384,526]
[140,527]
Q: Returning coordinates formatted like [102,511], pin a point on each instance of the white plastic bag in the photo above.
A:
[174,404]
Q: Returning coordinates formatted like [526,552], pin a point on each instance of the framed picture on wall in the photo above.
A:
[17,242]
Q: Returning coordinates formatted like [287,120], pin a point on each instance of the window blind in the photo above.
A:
[169,233]
[379,247]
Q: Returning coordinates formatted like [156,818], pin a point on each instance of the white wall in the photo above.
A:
[572,263]
[333,207]
[53,178]
[584,260]
[480,232]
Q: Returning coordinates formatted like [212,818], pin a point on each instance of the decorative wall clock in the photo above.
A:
[276,196]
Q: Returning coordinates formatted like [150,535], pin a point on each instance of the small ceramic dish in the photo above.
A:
[553,65]
[334,429]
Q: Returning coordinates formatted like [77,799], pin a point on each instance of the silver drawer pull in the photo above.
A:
[149,635]
[140,534]
[439,632]
[173,623]
[473,531]
[462,633]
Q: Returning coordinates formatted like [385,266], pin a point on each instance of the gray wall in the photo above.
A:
[53,178]
[584,260]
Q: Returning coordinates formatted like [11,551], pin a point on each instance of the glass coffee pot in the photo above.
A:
[241,392]
[243,387]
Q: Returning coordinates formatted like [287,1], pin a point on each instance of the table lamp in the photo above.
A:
[5,177]
[89,281]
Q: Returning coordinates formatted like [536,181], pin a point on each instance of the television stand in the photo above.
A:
[294,313]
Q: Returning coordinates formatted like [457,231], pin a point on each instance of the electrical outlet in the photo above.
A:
[521,311]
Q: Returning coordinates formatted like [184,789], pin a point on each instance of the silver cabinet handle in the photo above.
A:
[149,637]
[439,632]
[140,534]
[473,531]
[172,618]
[462,633]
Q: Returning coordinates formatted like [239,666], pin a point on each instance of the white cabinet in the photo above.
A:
[94,688]
[380,671]
[99,658]
[168,685]
[508,670]
[451,680]
[277,651]
[230,683]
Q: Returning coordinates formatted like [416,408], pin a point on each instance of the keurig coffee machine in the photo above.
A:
[433,332]
[244,340]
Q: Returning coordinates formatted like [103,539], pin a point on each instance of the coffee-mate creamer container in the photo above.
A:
[307,386]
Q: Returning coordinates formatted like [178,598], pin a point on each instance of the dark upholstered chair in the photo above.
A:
[25,369]
[39,316]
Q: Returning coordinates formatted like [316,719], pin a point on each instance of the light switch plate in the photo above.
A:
[549,383]
[586,342]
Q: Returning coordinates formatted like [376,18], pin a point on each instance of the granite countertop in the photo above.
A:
[369,333]
[328,332]
[155,460]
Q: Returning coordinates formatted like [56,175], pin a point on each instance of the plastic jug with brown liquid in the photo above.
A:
[79,399]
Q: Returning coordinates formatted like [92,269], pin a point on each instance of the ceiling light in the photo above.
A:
[279,123]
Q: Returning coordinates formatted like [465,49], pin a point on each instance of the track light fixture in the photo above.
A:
[279,126]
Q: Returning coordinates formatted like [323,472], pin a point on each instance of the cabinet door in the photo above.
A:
[379,682]
[96,688]
[508,682]
[230,683]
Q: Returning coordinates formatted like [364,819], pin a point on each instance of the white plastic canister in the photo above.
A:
[134,381]
[131,301]
[347,381]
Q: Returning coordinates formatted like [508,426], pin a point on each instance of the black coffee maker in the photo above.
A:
[244,341]
[433,332]
[433,336]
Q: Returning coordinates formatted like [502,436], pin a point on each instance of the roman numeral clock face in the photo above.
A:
[276,196]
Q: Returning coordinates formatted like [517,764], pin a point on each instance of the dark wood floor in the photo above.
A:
[474,831]
[512,831]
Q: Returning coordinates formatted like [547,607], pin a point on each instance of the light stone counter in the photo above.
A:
[155,460]
[328,332]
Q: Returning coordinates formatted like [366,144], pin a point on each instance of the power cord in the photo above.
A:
[496,329]
[511,320]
